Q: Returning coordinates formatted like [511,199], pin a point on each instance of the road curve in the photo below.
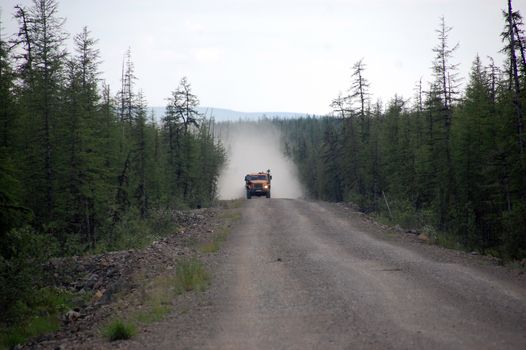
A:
[296,274]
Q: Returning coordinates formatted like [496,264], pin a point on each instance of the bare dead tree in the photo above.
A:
[360,87]
[511,36]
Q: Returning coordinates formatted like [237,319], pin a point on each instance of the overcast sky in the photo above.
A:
[279,55]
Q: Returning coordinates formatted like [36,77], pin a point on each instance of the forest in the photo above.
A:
[449,161]
[84,169]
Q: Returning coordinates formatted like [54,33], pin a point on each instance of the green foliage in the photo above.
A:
[191,275]
[131,233]
[457,165]
[36,314]
[404,214]
[81,170]
[35,326]
[12,213]
[22,255]
[119,330]
[514,240]
[77,161]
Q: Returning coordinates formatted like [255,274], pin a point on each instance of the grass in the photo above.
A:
[518,265]
[231,204]
[191,276]
[156,299]
[436,237]
[33,327]
[214,245]
[231,216]
[210,247]
[40,317]
[119,330]
[42,313]
[156,295]
[155,313]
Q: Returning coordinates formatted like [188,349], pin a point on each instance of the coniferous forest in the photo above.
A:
[87,168]
[448,161]
[84,168]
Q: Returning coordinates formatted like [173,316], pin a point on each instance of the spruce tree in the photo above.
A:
[41,69]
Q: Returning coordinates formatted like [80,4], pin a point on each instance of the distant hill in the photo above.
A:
[222,114]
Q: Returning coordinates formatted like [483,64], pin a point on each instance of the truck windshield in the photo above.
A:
[257,177]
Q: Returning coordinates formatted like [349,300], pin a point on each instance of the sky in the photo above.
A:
[279,55]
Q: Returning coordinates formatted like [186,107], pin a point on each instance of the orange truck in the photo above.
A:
[258,184]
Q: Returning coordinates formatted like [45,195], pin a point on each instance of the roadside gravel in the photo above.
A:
[112,285]
[297,274]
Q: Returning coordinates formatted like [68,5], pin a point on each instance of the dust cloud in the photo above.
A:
[253,147]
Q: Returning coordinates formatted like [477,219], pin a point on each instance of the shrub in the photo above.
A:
[22,255]
[119,330]
[514,236]
[38,314]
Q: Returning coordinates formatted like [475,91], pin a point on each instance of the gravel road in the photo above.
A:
[297,274]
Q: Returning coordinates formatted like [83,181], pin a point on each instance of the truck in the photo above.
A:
[258,184]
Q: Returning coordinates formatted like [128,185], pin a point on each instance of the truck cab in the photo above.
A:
[258,184]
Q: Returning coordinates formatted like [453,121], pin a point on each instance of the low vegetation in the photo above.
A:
[29,307]
[37,310]
[119,330]
[191,276]
[155,298]
[154,313]
[35,314]
[231,204]
[228,217]
[211,247]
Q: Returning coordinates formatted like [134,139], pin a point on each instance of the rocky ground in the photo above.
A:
[111,285]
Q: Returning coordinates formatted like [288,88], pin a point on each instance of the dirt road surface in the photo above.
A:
[296,274]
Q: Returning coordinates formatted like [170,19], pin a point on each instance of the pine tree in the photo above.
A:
[126,95]
[42,37]
[188,107]
[331,181]
[140,156]
[473,143]
[181,118]
[82,138]
[512,36]
[359,96]
[445,85]
[12,213]
[7,78]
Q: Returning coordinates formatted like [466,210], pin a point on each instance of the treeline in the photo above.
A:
[80,166]
[451,161]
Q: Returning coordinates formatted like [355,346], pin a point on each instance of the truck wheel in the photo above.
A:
[268,194]
[249,195]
